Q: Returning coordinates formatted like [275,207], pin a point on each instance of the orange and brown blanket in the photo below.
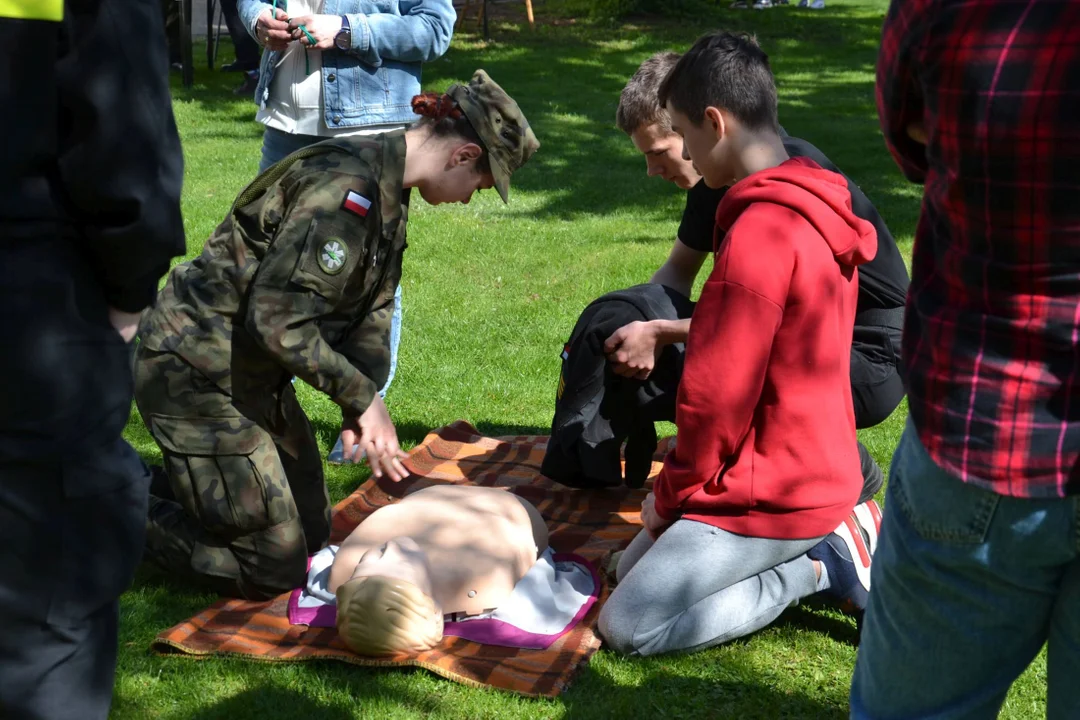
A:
[589,523]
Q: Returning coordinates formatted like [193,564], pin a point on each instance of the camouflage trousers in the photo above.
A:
[249,505]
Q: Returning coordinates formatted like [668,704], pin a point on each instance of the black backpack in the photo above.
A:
[597,410]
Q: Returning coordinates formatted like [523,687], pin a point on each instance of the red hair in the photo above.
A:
[436,106]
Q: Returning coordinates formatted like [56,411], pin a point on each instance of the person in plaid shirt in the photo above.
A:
[979,561]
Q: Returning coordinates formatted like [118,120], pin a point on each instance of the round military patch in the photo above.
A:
[332,256]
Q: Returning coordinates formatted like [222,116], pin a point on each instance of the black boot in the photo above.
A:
[160,486]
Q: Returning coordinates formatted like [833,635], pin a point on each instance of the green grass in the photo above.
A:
[490,294]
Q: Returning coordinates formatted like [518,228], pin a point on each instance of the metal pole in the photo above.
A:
[210,33]
[217,32]
[188,73]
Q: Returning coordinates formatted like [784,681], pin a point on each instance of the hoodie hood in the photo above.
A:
[821,196]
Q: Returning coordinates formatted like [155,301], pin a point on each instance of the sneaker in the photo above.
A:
[739,5]
[817,5]
[869,516]
[845,555]
[873,478]
[337,455]
[804,3]
[763,4]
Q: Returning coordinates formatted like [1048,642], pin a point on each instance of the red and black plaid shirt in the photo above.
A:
[990,352]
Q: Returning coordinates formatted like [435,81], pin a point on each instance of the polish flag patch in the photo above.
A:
[357,203]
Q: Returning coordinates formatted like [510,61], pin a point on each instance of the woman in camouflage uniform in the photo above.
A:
[298,281]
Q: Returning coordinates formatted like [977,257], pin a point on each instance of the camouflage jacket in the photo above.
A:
[298,280]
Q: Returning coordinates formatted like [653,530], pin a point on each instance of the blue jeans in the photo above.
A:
[278,145]
[967,585]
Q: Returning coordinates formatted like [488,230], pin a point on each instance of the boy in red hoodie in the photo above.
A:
[743,518]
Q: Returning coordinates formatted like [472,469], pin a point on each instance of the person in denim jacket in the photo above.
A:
[342,67]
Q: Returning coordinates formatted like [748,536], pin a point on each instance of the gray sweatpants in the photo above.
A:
[699,586]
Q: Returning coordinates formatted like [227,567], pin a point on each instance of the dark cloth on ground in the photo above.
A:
[597,410]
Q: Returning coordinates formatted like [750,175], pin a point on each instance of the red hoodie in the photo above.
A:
[767,444]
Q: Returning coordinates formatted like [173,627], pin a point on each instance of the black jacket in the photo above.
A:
[90,150]
[597,410]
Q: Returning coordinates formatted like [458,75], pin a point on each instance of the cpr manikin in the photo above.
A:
[440,551]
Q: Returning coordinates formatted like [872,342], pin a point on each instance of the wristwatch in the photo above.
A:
[343,39]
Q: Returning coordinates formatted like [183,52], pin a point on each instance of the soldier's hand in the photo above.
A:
[272,29]
[632,350]
[375,435]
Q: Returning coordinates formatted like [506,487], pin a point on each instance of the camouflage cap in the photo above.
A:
[498,121]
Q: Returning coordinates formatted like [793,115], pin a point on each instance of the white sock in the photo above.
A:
[823,579]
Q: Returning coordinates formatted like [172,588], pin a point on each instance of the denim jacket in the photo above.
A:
[374,82]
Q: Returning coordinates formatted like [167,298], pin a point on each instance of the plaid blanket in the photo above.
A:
[590,523]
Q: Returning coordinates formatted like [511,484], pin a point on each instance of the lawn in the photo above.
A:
[490,294]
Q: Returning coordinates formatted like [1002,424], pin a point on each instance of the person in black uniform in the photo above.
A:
[91,172]
[632,350]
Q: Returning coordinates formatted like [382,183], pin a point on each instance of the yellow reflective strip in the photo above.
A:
[33,9]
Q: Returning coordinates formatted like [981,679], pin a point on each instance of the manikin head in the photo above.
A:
[721,98]
[471,138]
[642,118]
[387,606]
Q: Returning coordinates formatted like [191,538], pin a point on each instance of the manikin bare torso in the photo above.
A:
[470,544]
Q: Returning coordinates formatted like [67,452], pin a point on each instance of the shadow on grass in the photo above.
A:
[271,702]
[666,694]
[413,433]
[803,617]
[161,601]
[494,429]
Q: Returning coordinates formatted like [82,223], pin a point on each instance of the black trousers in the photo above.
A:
[247,50]
[59,672]
[876,388]
[73,494]
[171,10]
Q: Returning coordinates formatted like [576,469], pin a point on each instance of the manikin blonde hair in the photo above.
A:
[380,615]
